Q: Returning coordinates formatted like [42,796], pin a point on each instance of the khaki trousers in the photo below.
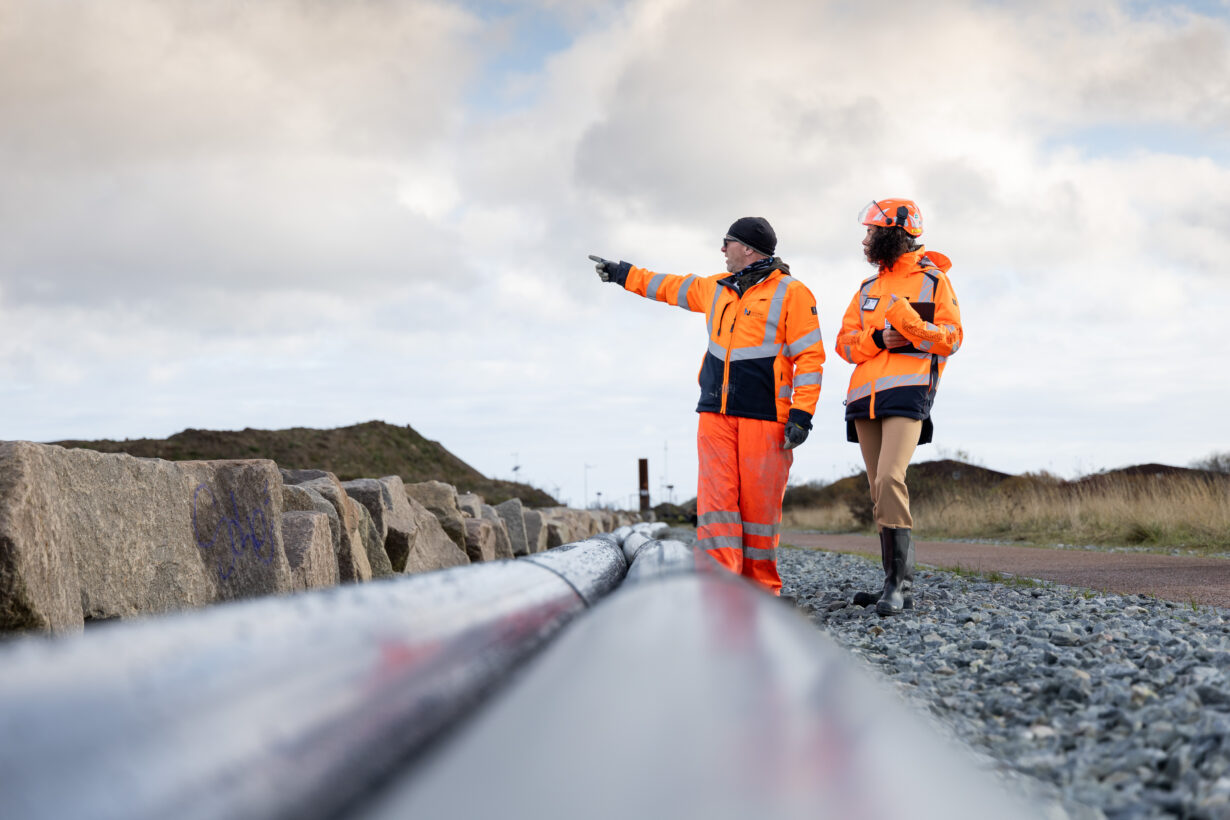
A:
[887,445]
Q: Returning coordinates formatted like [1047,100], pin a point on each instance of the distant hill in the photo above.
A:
[369,450]
[949,470]
[1150,471]
[921,478]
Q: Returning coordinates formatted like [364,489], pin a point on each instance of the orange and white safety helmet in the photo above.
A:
[893,213]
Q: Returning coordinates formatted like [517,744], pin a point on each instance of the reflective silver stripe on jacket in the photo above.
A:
[742,354]
[863,293]
[801,379]
[887,383]
[651,289]
[775,309]
[905,380]
[770,348]
[712,317]
[799,345]
[682,299]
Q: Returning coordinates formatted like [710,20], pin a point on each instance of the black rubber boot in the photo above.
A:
[899,586]
[869,598]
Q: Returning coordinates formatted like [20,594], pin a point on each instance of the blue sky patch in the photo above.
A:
[1127,139]
[1208,8]
[518,41]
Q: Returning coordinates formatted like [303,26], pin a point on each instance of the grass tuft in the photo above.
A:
[1185,510]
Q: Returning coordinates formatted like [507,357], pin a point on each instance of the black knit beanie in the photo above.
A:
[756,233]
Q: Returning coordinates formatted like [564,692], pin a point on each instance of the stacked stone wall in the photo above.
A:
[88,536]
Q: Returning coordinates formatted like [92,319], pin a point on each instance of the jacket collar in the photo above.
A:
[754,274]
[906,263]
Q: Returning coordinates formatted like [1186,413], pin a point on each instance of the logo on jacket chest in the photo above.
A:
[870,302]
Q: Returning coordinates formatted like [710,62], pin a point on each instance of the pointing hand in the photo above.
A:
[605,267]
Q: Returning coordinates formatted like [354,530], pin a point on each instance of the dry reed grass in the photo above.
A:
[827,518]
[1170,511]
[1162,512]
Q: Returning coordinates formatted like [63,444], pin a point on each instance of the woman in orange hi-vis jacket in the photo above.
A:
[900,329]
[759,383]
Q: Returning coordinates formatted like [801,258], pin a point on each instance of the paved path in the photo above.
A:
[1176,578]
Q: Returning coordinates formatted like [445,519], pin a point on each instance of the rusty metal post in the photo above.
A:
[644,485]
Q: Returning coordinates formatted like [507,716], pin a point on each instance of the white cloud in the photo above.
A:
[300,213]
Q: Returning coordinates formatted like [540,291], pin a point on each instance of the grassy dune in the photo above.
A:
[1154,507]
[369,450]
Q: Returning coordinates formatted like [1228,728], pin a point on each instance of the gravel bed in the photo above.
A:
[1098,705]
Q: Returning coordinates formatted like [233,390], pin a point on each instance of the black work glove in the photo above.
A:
[796,434]
[609,271]
[798,425]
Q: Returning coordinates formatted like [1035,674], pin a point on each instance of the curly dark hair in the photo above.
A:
[887,245]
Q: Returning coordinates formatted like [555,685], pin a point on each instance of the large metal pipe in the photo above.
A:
[694,694]
[287,707]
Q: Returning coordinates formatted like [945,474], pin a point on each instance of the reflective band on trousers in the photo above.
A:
[730,517]
[718,542]
[730,542]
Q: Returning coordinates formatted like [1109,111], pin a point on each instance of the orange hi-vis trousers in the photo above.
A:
[743,472]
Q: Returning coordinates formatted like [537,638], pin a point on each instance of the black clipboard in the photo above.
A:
[926,310]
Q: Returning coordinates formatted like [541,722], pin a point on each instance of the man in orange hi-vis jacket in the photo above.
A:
[759,383]
[899,355]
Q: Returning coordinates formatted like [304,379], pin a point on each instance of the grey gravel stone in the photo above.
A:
[1099,705]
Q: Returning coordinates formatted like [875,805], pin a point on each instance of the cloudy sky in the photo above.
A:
[222,214]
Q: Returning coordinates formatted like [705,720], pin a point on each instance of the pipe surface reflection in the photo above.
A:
[279,707]
[695,694]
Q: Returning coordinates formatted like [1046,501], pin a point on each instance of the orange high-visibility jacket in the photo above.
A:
[885,383]
[765,358]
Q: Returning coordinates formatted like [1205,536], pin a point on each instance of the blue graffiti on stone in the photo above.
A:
[251,532]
